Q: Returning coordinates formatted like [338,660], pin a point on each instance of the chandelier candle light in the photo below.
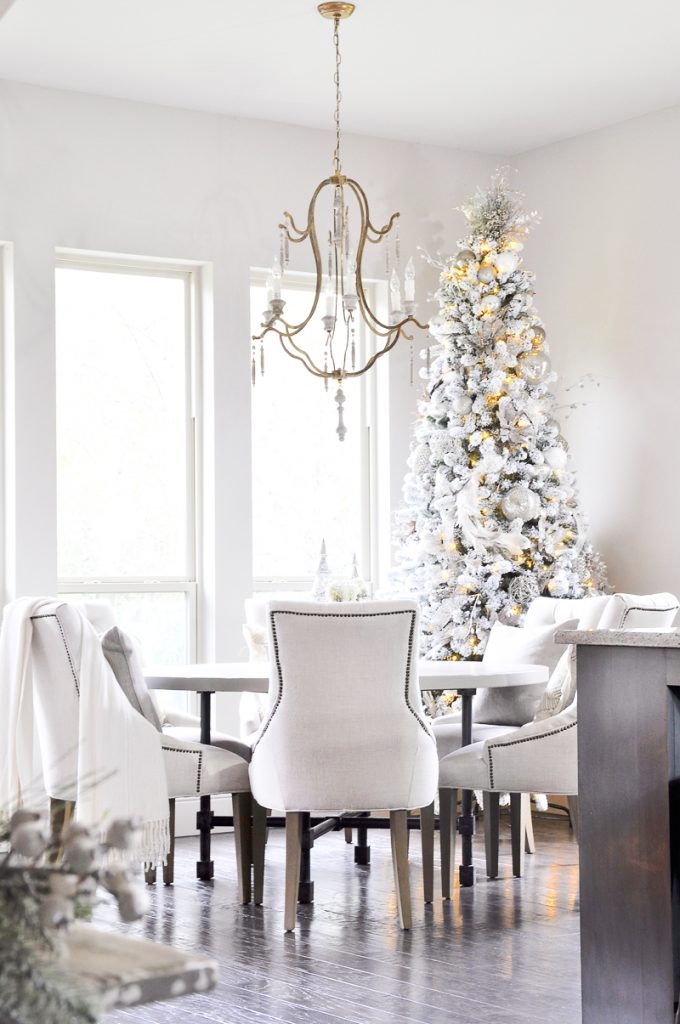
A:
[339,277]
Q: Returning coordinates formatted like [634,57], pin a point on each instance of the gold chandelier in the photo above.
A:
[341,279]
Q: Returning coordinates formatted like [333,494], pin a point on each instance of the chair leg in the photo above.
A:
[169,866]
[349,836]
[529,842]
[399,837]
[61,815]
[573,813]
[293,858]
[448,801]
[242,810]
[427,844]
[259,842]
[518,827]
[492,820]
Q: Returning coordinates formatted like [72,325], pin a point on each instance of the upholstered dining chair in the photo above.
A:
[495,714]
[541,756]
[192,768]
[319,749]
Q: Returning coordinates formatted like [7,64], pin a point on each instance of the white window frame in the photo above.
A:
[370,410]
[188,583]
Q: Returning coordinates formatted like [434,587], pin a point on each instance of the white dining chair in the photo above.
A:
[192,769]
[541,756]
[318,749]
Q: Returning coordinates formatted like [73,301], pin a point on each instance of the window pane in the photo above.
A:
[307,485]
[157,622]
[121,424]
[158,625]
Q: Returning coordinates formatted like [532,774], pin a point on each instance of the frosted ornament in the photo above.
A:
[506,262]
[520,503]
[461,404]
[440,328]
[464,257]
[533,366]
[486,273]
[491,303]
[523,590]
[556,458]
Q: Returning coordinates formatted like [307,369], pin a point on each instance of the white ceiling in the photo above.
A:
[499,76]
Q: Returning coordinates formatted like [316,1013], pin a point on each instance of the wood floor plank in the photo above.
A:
[505,952]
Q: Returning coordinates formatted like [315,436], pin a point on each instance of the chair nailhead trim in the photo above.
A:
[194,753]
[527,739]
[338,615]
[53,615]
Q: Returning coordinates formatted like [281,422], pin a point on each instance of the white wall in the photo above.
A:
[89,173]
[606,258]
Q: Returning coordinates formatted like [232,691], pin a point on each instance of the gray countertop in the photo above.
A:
[620,637]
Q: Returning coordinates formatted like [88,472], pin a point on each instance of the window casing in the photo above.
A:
[136,366]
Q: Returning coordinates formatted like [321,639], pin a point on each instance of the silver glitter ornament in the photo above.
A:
[520,503]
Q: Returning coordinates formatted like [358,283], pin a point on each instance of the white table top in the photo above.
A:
[253,676]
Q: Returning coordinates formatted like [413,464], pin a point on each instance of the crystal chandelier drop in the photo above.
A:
[339,277]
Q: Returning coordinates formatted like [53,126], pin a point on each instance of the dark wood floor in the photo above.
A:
[505,952]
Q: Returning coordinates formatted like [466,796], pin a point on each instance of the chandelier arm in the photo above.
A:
[310,368]
[295,352]
[284,227]
[374,358]
[371,322]
[381,232]
[363,199]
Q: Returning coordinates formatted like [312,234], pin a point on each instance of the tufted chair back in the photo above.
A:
[546,611]
[606,611]
[320,747]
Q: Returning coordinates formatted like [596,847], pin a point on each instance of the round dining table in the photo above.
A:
[462,677]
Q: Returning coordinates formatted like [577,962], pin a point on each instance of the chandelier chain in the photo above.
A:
[338,94]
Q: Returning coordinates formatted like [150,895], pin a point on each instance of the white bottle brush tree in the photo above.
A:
[491,517]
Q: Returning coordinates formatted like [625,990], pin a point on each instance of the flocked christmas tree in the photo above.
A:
[491,517]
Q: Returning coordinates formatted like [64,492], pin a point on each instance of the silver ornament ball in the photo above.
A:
[464,257]
[486,273]
[509,615]
[533,366]
[520,503]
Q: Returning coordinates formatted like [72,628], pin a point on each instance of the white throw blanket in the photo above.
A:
[120,771]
